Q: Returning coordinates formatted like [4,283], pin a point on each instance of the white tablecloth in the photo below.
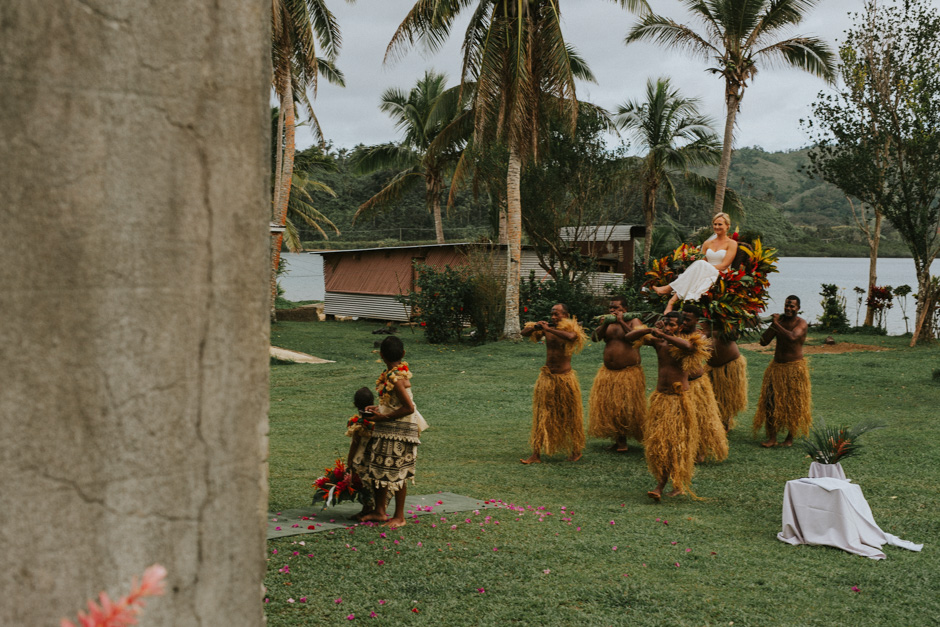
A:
[833,512]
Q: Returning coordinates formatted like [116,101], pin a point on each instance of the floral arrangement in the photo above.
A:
[828,445]
[739,294]
[360,426]
[386,381]
[337,485]
[123,611]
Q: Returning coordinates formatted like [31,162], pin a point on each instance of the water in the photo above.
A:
[804,276]
[303,279]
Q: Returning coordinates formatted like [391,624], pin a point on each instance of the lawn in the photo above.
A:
[581,543]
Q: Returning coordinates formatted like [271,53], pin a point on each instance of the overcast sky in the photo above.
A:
[773,104]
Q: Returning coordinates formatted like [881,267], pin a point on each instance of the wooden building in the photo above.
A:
[367,282]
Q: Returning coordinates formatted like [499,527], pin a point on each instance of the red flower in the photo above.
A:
[525,309]
[424,324]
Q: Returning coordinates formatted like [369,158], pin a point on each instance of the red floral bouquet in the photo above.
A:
[360,426]
[337,485]
[739,294]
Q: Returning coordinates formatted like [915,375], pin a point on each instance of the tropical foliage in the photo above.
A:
[426,153]
[739,295]
[736,36]
[675,138]
[879,135]
[297,27]
[829,445]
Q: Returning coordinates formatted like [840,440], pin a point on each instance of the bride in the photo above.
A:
[699,277]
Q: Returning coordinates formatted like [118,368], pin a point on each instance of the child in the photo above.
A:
[359,428]
[393,446]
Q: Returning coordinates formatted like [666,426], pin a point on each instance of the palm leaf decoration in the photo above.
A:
[828,445]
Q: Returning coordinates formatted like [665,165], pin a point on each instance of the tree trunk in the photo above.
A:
[512,329]
[925,305]
[649,212]
[279,164]
[287,171]
[434,193]
[502,239]
[873,241]
[721,181]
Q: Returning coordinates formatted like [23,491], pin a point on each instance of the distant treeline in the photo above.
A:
[800,216]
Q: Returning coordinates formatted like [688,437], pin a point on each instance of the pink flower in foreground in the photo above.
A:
[382,601]
[380,562]
[303,599]
[481,590]
[546,571]
[351,617]
[677,564]
[855,589]
[338,601]
[290,600]
[372,615]
[124,611]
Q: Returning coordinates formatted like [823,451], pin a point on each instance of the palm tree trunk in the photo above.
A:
[501,235]
[511,329]
[434,195]
[649,211]
[287,170]
[873,242]
[721,181]
[279,163]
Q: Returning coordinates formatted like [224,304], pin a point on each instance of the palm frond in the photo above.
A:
[828,445]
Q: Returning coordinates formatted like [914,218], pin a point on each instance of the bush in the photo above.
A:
[438,301]
[447,300]
[536,299]
[833,318]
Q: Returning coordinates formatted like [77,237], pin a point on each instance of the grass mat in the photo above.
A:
[313,519]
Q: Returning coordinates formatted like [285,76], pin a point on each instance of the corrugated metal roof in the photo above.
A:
[599,233]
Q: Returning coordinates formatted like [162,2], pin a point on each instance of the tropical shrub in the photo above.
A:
[833,317]
[536,299]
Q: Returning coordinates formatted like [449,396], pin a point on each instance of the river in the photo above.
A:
[802,276]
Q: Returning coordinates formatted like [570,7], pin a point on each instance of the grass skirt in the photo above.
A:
[671,439]
[712,437]
[617,405]
[785,399]
[730,384]
[557,416]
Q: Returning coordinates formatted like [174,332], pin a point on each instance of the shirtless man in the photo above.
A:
[557,416]
[728,373]
[713,439]
[786,394]
[617,405]
[671,432]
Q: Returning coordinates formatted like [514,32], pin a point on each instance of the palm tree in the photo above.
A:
[300,206]
[676,138]
[522,69]
[422,114]
[737,34]
[297,26]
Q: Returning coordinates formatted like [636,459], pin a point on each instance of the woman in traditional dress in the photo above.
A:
[701,275]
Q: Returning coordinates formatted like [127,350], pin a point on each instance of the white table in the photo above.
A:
[831,511]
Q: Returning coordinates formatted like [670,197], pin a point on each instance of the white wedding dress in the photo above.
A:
[699,277]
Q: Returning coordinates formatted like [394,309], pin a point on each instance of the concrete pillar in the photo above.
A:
[134,211]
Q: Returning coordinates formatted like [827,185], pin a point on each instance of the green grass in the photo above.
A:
[477,400]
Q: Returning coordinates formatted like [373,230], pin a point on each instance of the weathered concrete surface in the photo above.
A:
[133,277]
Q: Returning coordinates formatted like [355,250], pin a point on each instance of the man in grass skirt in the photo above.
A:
[727,369]
[785,395]
[617,405]
[557,417]
[671,435]
[712,437]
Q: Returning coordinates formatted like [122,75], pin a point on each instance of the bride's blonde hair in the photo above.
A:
[723,215]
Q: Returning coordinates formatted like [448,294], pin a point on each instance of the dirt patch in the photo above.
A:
[813,348]
[307,313]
